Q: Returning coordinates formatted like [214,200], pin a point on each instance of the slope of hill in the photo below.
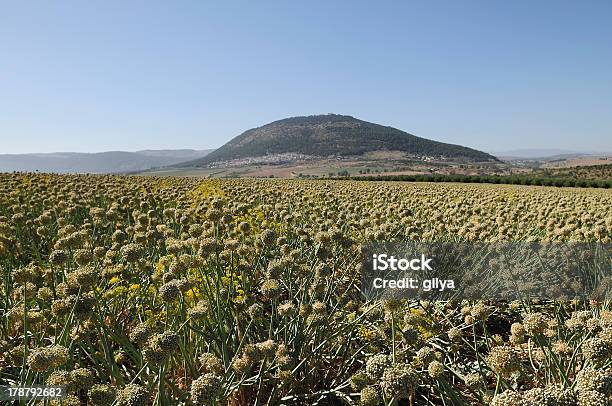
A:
[102,162]
[331,135]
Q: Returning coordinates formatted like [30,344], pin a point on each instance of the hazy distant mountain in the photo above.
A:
[101,162]
[331,135]
[538,153]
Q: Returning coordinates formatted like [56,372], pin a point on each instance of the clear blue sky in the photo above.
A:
[128,75]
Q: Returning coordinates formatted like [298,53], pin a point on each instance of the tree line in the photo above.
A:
[494,179]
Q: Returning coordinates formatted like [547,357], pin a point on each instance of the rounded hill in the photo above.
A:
[331,135]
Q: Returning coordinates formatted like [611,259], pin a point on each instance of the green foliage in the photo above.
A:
[495,179]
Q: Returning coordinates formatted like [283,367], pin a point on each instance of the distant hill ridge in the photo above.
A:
[99,162]
[331,135]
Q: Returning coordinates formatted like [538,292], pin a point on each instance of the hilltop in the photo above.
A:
[329,135]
